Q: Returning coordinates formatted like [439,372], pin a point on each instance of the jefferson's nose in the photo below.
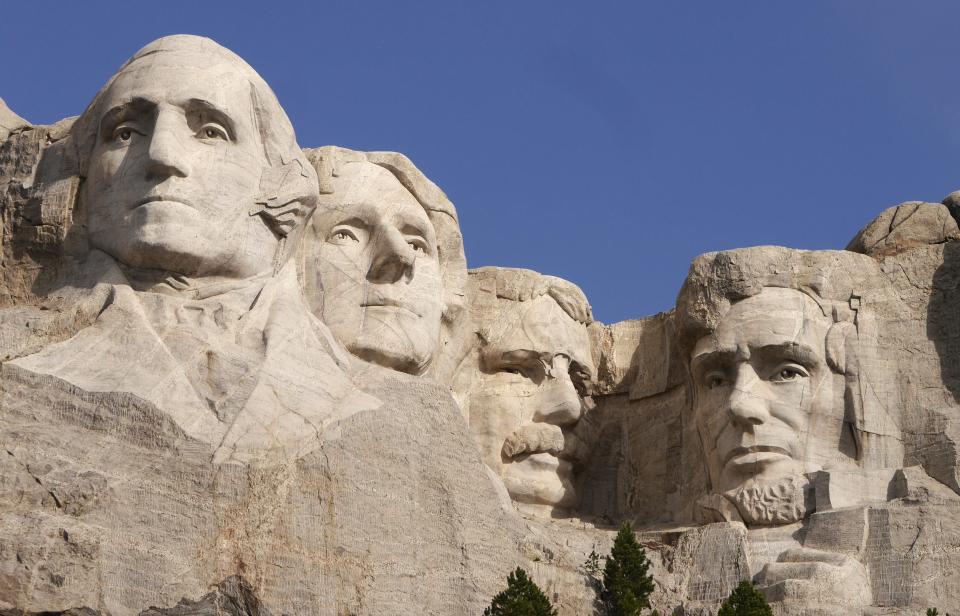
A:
[560,402]
[166,154]
[392,258]
[747,403]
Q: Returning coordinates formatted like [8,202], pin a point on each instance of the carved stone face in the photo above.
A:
[379,270]
[528,396]
[767,405]
[176,168]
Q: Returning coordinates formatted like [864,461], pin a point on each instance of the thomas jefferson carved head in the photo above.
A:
[533,369]
[383,262]
[782,355]
[190,164]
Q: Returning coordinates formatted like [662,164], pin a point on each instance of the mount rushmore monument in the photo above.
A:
[240,376]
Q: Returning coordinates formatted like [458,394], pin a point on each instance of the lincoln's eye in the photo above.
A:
[789,372]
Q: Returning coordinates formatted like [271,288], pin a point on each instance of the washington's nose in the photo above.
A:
[166,154]
[747,404]
[560,402]
[392,259]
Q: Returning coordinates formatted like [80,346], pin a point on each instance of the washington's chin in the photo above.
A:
[540,479]
[157,247]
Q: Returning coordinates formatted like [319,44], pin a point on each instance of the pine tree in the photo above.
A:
[745,600]
[626,584]
[521,598]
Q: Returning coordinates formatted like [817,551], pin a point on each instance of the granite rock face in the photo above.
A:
[240,377]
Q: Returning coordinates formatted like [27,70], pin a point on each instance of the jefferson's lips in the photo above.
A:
[170,198]
[741,451]
[391,303]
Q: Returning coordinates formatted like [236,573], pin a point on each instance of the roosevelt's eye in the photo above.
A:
[213,131]
[714,379]
[789,372]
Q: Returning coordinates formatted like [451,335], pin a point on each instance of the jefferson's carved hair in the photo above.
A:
[848,288]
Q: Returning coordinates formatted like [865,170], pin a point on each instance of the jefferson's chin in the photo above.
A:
[393,337]
[540,479]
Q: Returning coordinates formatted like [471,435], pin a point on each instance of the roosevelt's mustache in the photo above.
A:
[542,438]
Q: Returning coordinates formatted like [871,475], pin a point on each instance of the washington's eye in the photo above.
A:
[418,246]
[789,372]
[211,130]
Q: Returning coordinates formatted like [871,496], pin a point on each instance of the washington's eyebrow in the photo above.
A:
[205,107]
[126,110]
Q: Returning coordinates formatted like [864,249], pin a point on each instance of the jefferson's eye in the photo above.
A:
[343,235]
[789,372]
[214,131]
[418,246]
[122,133]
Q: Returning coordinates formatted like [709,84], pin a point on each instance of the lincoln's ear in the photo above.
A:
[287,197]
[840,347]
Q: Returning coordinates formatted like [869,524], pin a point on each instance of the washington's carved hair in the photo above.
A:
[848,288]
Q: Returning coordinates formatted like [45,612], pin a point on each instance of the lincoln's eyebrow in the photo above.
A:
[126,110]
[713,358]
[792,350]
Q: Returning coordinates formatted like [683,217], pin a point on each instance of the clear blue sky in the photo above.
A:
[605,143]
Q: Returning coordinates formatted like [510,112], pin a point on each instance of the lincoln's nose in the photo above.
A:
[747,403]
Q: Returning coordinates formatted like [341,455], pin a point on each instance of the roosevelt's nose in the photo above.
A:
[166,154]
[560,402]
[747,404]
[392,259]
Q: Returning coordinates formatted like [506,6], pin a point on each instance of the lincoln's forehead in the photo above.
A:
[773,317]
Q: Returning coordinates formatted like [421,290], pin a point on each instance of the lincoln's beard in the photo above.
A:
[777,501]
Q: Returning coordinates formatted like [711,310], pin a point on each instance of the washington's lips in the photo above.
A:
[742,451]
[168,198]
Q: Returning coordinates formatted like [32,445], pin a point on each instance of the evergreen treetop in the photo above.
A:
[745,600]
[522,597]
